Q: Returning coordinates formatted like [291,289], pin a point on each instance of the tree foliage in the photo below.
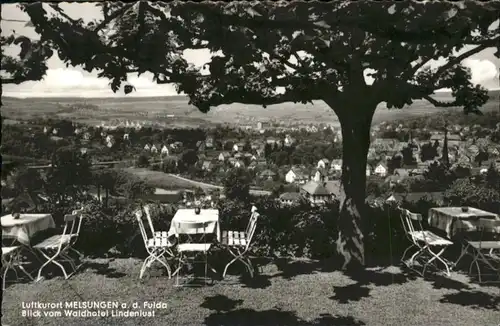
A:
[331,45]
[237,184]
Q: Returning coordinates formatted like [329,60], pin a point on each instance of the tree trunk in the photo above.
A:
[99,192]
[355,126]
[107,198]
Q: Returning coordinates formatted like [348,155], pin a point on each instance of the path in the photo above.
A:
[212,186]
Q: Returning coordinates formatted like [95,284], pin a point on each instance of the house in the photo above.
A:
[336,166]
[290,198]
[394,180]
[261,162]
[267,174]
[239,164]
[207,166]
[252,165]
[126,137]
[320,192]
[320,175]
[109,139]
[270,141]
[368,171]
[86,136]
[77,131]
[154,149]
[454,140]
[164,150]
[295,175]
[381,170]
[323,163]
[473,149]
[289,141]
[45,130]
[147,148]
[416,172]
[315,192]
[223,156]
[200,145]
[437,137]
[290,176]
[255,146]
[493,151]
[209,142]
[403,173]
[55,131]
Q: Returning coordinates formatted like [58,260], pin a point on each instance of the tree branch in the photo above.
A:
[412,71]
[456,60]
[437,103]
[114,15]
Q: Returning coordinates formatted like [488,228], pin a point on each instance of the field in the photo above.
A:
[176,112]
[160,180]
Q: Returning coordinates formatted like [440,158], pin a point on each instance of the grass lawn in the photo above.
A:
[285,293]
[159,179]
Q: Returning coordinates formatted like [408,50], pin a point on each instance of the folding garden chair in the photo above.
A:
[11,261]
[155,246]
[238,244]
[74,236]
[485,252]
[423,241]
[158,235]
[56,248]
[191,252]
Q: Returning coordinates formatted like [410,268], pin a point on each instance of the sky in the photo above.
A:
[62,81]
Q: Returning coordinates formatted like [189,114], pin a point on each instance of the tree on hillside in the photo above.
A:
[493,177]
[69,176]
[266,53]
[428,152]
[188,159]
[142,161]
[237,184]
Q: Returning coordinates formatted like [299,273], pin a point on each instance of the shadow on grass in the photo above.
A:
[440,281]
[353,292]
[102,269]
[364,280]
[473,299]
[273,317]
[221,303]
[290,269]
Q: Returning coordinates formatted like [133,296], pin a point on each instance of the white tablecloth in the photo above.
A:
[24,228]
[453,220]
[206,215]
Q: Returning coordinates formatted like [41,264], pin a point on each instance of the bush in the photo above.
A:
[116,227]
[282,231]
[464,192]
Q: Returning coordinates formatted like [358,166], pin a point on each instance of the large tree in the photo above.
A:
[269,53]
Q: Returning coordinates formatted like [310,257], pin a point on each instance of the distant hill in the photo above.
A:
[175,110]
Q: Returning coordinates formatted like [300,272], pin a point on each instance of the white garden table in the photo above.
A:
[458,223]
[26,226]
[22,230]
[205,215]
